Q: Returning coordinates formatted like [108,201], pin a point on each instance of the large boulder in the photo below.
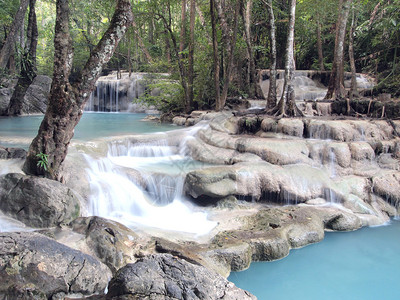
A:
[162,276]
[37,202]
[111,242]
[287,184]
[36,97]
[33,265]
[12,153]
[35,100]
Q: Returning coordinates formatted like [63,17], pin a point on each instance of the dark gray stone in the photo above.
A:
[12,153]
[32,264]
[36,97]
[162,276]
[37,202]
[113,243]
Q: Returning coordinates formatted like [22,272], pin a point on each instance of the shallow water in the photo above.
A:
[363,264]
[18,131]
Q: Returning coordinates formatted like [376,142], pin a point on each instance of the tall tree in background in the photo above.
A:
[9,45]
[186,72]
[216,61]
[319,46]
[190,71]
[68,99]
[251,78]
[272,98]
[229,34]
[28,64]
[353,85]
[336,82]
[287,105]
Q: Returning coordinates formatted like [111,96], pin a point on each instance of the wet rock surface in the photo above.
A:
[163,276]
[111,242]
[12,153]
[279,188]
[290,161]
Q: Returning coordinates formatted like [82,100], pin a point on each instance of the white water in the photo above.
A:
[106,96]
[151,198]
[309,89]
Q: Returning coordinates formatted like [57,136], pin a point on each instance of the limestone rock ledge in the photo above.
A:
[353,163]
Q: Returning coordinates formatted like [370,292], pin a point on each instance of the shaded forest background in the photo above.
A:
[176,37]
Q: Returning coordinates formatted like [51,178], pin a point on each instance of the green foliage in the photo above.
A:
[8,9]
[157,66]
[376,42]
[45,48]
[25,62]
[377,47]
[164,94]
[43,161]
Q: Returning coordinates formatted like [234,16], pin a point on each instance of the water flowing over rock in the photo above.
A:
[163,276]
[116,94]
[311,85]
[153,198]
[34,265]
[291,161]
[266,186]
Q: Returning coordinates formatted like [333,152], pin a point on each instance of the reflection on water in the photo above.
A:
[363,264]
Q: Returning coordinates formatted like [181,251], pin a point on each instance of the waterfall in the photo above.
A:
[142,184]
[311,85]
[113,94]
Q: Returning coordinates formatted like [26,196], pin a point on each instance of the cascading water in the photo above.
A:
[115,94]
[311,85]
[142,184]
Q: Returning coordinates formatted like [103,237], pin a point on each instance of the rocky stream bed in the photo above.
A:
[271,185]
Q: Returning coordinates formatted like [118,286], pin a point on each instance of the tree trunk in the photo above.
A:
[215,52]
[167,48]
[319,46]
[336,81]
[181,66]
[252,82]
[129,59]
[353,85]
[141,43]
[67,100]
[85,34]
[287,105]
[8,47]
[190,72]
[271,100]
[230,35]
[182,36]
[28,65]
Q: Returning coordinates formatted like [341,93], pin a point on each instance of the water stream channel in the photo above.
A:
[356,265]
